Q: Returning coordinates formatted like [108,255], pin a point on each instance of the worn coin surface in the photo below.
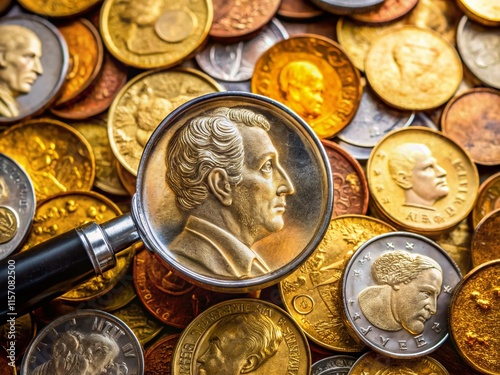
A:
[347,6]
[158,356]
[85,339]
[58,8]
[314,77]
[312,293]
[485,243]
[396,290]
[404,65]
[17,205]
[488,198]
[246,335]
[334,365]
[474,317]
[457,244]
[389,11]
[24,333]
[35,77]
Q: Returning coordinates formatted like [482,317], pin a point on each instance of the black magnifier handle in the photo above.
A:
[36,276]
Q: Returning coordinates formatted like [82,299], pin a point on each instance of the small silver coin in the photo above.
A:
[84,342]
[17,205]
[347,6]
[334,365]
[396,292]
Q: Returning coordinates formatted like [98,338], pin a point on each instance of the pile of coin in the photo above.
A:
[316,184]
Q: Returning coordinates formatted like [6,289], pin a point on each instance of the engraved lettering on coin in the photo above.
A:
[302,85]
[225,173]
[413,168]
[406,294]
[20,65]
[8,224]
[240,344]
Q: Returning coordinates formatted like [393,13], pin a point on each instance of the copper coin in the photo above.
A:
[324,26]
[7,364]
[158,356]
[22,331]
[488,198]
[350,189]
[347,6]
[99,96]
[236,19]
[485,244]
[127,179]
[299,10]
[389,11]
[472,119]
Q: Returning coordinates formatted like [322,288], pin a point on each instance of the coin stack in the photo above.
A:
[337,198]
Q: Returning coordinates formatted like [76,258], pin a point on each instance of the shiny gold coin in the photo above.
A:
[488,198]
[485,244]
[474,318]
[422,180]
[63,212]
[314,77]
[486,12]
[8,224]
[413,69]
[144,102]
[311,294]
[58,8]
[378,364]
[154,33]
[56,157]
[457,244]
[356,38]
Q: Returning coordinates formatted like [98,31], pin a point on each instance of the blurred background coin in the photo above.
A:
[488,198]
[347,6]
[485,243]
[58,8]
[389,11]
[298,10]
[334,365]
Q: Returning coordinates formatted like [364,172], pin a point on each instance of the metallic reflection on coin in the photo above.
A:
[396,291]
[84,342]
[28,87]
[242,336]
[17,205]
[335,365]
[485,244]
[236,62]
[421,119]
[234,191]
[488,198]
[347,6]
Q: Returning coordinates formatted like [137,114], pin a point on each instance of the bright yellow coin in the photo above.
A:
[486,12]
[58,8]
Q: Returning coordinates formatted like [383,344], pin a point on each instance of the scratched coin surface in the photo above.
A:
[58,8]
[244,335]
[334,365]
[396,290]
[488,198]
[312,293]
[56,157]
[404,65]
[90,340]
[314,77]
[474,317]
[158,356]
[17,205]
[422,180]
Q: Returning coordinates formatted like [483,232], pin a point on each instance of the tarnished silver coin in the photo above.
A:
[235,62]
[479,48]
[373,120]
[17,205]
[347,6]
[396,292]
[84,342]
[234,192]
[334,365]
[34,66]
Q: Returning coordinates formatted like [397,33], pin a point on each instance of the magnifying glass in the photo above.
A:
[234,192]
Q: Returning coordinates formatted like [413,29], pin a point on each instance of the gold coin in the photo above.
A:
[314,77]
[422,180]
[8,224]
[311,294]
[63,212]
[413,69]
[485,244]
[488,198]
[486,12]
[356,38]
[154,33]
[474,318]
[55,156]
[144,102]
[457,244]
[58,8]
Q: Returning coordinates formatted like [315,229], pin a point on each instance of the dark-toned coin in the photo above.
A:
[488,198]
[334,365]
[389,11]
[18,333]
[159,356]
[347,6]
[485,244]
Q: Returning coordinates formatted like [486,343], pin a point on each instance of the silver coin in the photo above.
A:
[235,62]
[396,291]
[479,48]
[37,66]
[373,120]
[421,119]
[334,365]
[84,342]
[17,205]
[347,6]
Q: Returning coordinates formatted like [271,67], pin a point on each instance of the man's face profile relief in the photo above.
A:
[428,178]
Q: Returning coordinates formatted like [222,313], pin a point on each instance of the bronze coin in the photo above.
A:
[488,198]
[472,119]
[299,10]
[389,11]
[485,244]
[158,356]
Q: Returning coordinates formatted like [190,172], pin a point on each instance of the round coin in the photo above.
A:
[85,339]
[485,12]
[485,244]
[474,316]
[472,119]
[133,30]
[314,77]
[299,10]
[57,157]
[396,289]
[58,8]
[457,244]
[389,11]
[22,330]
[311,294]
[158,357]
[404,65]
[433,182]
[17,205]
[37,64]
[334,365]
[488,198]
[245,335]
[347,6]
